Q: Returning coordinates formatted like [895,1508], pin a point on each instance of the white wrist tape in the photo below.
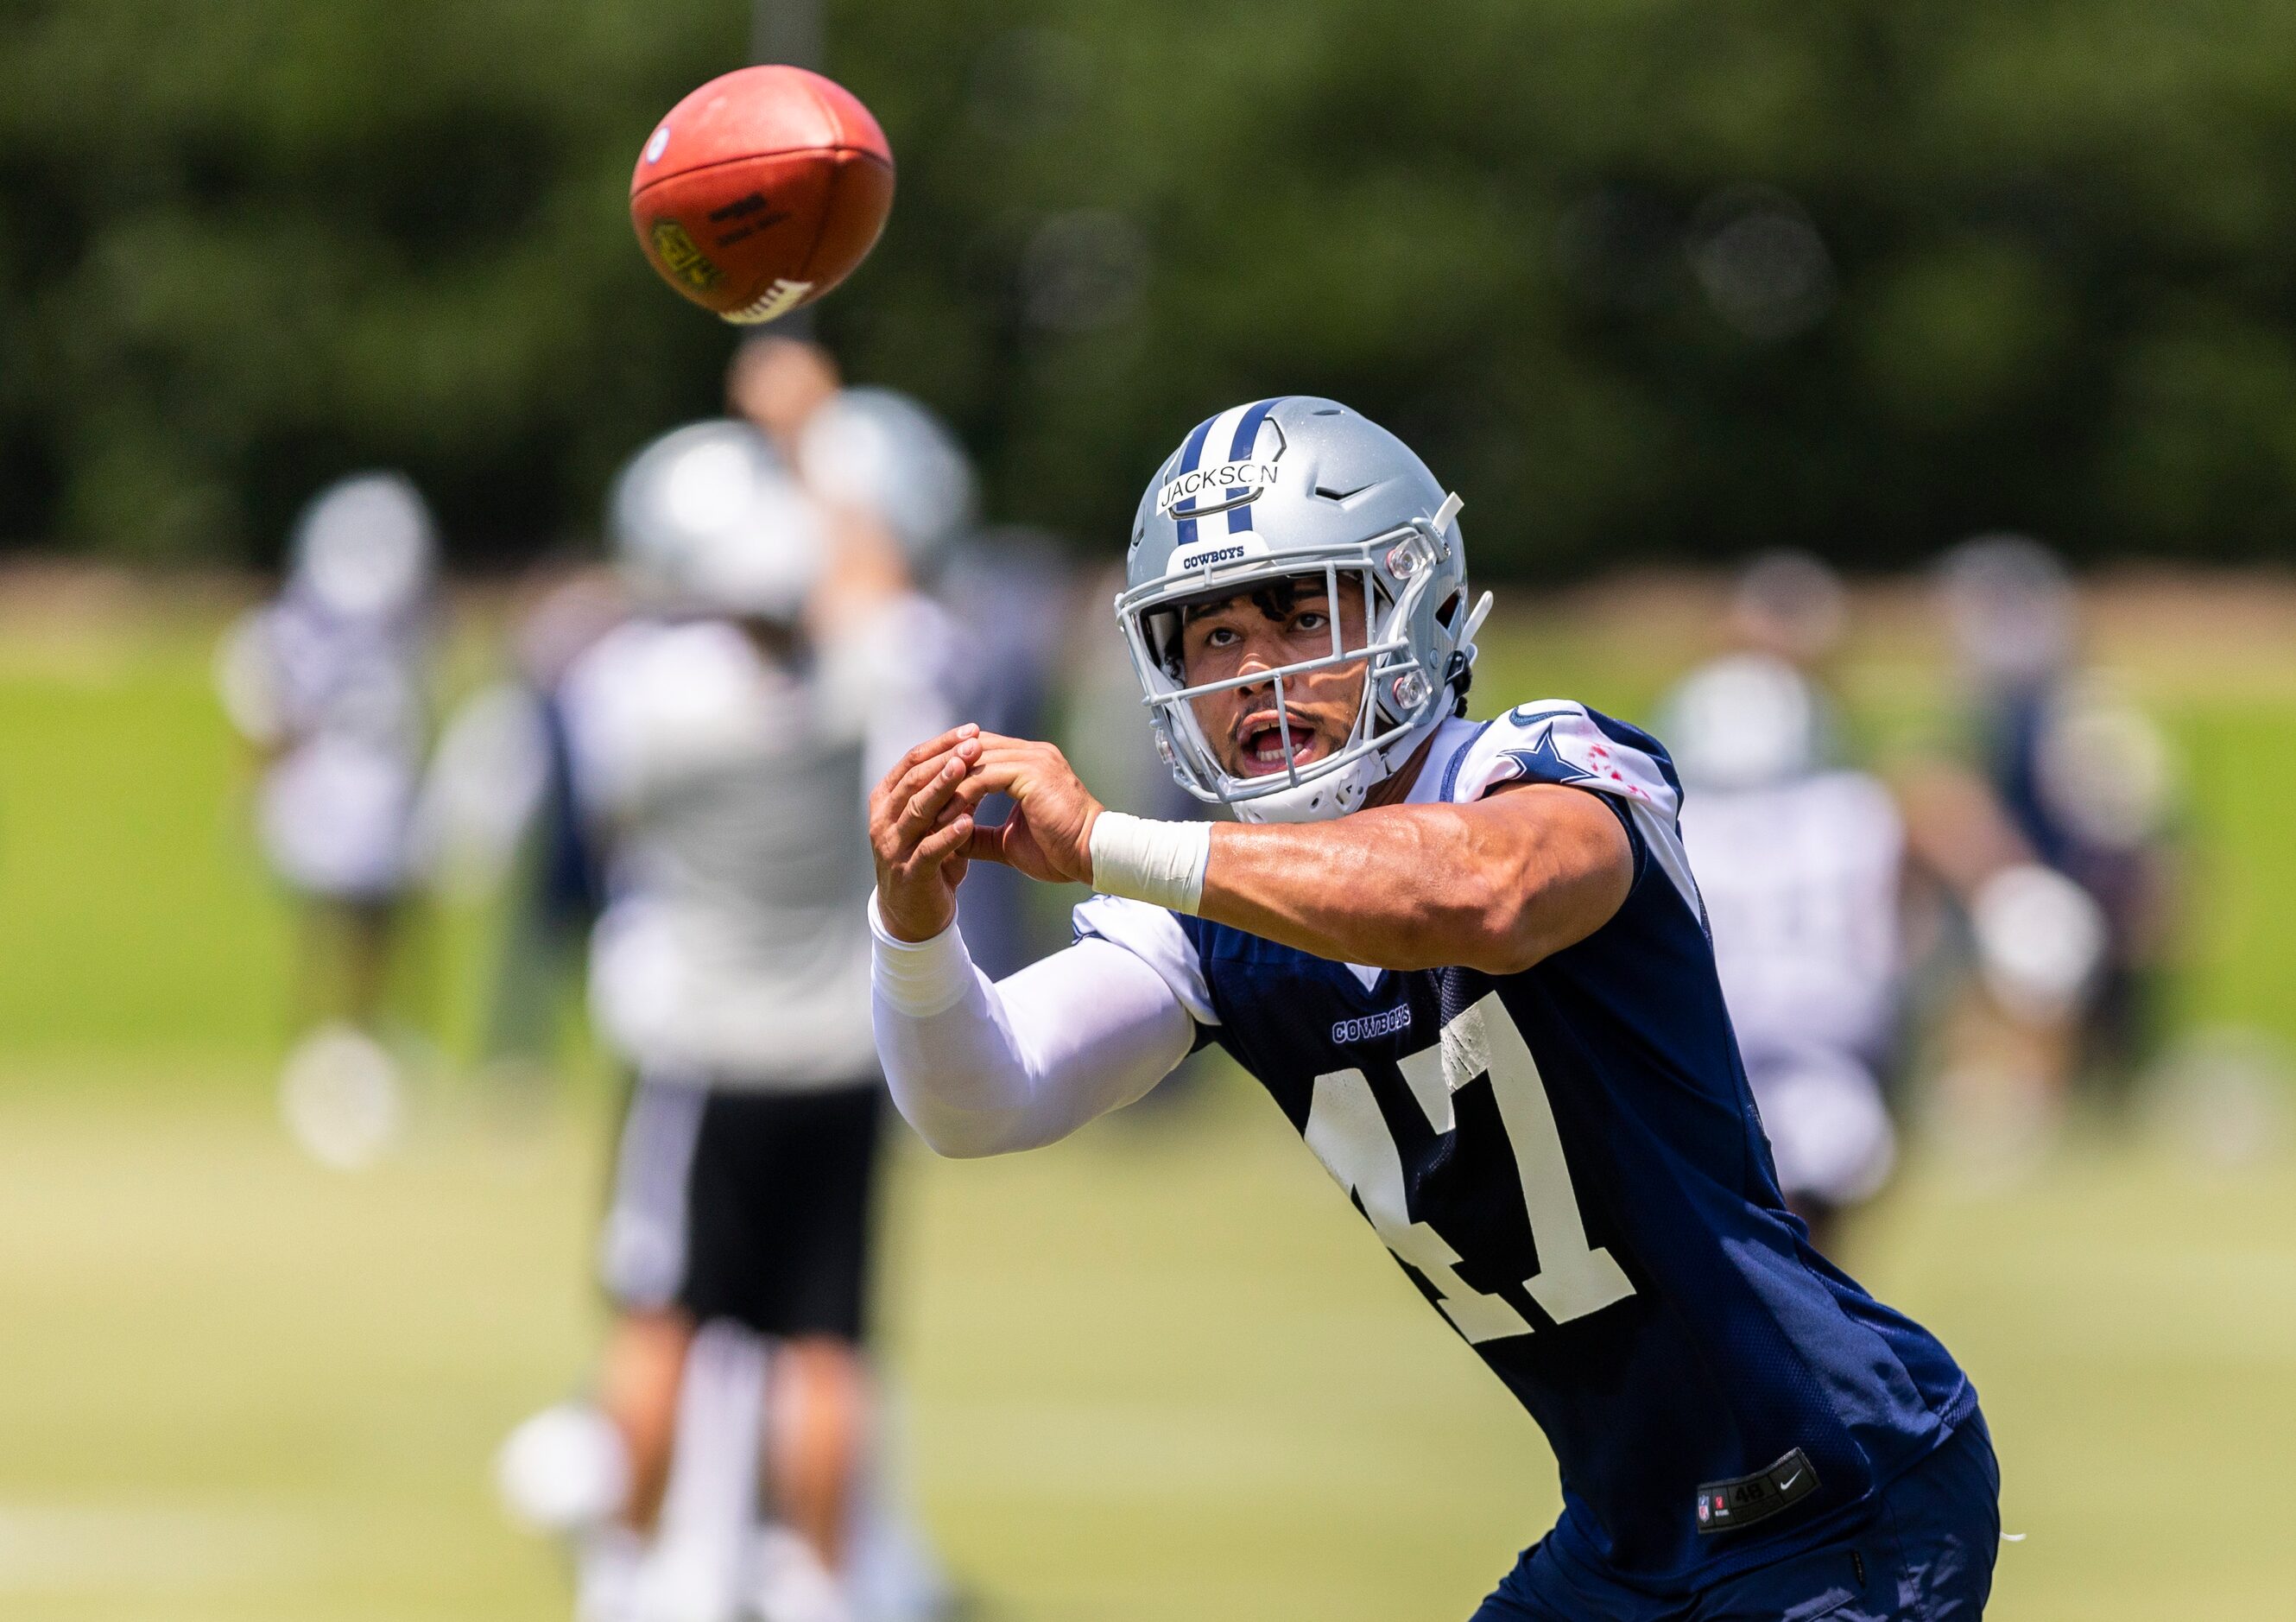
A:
[919,979]
[1159,862]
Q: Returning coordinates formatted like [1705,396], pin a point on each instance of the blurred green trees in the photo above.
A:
[1643,278]
[247,244]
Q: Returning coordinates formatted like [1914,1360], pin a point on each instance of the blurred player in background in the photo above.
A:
[1800,864]
[2086,779]
[329,682]
[717,744]
[1825,885]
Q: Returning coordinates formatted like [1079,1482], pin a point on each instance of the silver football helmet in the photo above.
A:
[1745,720]
[2012,609]
[365,548]
[706,517]
[887,454]
[1290,487]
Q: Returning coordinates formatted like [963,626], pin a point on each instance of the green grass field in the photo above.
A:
[1158,1372]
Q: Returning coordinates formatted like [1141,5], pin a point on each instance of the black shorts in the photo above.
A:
[749,1206]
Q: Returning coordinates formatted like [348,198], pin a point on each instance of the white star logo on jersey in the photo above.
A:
[1543,760]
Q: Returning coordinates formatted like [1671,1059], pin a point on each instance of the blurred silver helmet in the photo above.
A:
[1746,721]
[363,549]
[886,454]
[707,517]
[2011,606]
[1791,605]
[1289,487]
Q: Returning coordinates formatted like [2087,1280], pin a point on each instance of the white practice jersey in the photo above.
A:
[728,790]
[339,704]
[1802,887]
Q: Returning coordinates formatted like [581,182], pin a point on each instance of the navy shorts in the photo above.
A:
[1925,1555]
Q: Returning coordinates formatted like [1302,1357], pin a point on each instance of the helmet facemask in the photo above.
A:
[1389,576]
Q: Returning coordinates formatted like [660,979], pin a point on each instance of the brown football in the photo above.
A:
[761,191]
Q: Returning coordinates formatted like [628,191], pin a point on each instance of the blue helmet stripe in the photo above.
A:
[1246,436]
[1191,454]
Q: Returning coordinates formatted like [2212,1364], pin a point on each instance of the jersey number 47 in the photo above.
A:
[1350,1137]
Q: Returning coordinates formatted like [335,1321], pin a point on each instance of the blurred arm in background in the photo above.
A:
[783,387]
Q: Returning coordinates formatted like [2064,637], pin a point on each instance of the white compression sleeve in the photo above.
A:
[984,1069]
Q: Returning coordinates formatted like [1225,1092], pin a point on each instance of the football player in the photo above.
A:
[2087,780]
[1800,861]
[716,748]
[1470,966]
[329,683]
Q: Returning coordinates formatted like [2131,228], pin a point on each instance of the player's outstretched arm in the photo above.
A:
[1496,885]
[980,1069]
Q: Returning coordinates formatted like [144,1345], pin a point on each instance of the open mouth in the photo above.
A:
[1261,738]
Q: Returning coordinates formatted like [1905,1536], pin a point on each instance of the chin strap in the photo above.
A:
[1397,754]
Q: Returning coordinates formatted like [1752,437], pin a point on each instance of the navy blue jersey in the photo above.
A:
[1569,1164]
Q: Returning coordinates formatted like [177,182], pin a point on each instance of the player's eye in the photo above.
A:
[1311,619]
[1221,636]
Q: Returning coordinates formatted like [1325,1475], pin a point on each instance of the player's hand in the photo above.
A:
[1048,836]
[918,831]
